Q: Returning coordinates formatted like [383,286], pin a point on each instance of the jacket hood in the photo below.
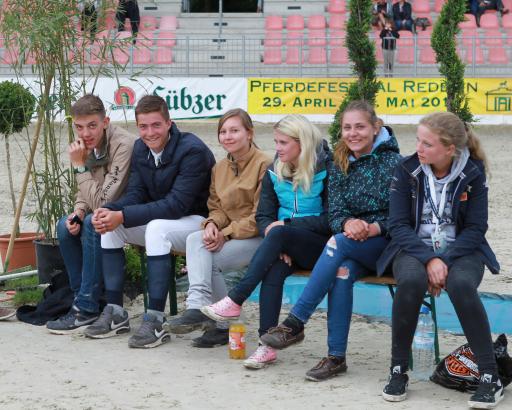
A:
[385,141]
[458,165]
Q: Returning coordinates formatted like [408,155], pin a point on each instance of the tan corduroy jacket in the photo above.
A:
[235,192]
[107,176]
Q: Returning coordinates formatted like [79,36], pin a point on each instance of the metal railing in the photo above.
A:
[249,56]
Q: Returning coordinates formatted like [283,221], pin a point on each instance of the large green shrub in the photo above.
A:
[16,109]
[361,52]
[450,65]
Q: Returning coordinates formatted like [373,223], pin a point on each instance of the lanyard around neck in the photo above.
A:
[437,212]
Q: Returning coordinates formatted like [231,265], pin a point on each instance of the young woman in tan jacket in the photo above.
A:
[230,236]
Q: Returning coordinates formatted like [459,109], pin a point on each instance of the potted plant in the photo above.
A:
[16,110]
[48,34]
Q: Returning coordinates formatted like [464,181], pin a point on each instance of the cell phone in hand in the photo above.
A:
[76,220]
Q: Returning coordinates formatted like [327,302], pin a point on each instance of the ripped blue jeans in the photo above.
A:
[342,262]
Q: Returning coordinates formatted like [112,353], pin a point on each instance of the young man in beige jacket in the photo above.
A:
[100,157]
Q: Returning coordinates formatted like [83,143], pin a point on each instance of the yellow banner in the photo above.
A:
[397,96]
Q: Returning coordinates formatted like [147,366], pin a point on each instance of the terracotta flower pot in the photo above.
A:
[24,253]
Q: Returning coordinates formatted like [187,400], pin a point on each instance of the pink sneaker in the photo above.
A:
[224,309]
[263,356]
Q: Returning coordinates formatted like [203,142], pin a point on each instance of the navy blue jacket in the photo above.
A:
[177,188]
[469,211]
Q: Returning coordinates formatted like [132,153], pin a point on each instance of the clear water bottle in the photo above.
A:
[423,346]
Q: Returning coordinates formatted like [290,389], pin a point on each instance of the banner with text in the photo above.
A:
[397,96]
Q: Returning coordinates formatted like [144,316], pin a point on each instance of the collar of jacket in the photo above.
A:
[92,161]
[413,167]
[238,165]
[170,147]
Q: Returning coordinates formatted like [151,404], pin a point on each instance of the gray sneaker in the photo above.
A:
[150,333]
[190,320]
[73,321]
[108,324]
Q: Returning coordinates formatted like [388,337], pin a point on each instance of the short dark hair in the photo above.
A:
[152,103]
[89,104]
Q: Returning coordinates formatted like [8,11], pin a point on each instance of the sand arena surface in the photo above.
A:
[43,371]
[495,140]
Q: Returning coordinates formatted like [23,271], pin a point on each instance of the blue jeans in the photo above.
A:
[302,245]
[82,257]
[400,25]
[342,262]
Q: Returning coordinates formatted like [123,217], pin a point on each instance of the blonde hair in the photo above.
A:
[309,137]
[452,130]
[341,151]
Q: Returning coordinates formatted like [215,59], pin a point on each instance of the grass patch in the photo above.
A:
[22,283]
[28,297]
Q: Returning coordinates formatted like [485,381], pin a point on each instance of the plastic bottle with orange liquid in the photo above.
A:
[236,344]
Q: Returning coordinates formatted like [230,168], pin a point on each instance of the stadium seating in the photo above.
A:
[470,36]
[317,55]
[489,20]
[337,38]
[148,23]
[406,55]
[317,38]
[316,23]
[421,9]
[166,38]
[294,38]
[163,55]
[498,56]
[438,5]
[273,23]
[338,55]
[493,38]
[427,56]
[168,23]
[142,51]
[337,22]
[478,57]
[272,55]
[336,7]
[506,21]
[295,22]
[470,22]
[273,39]
[294,56]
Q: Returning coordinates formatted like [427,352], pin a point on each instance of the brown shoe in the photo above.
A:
[326,368]
[281,337]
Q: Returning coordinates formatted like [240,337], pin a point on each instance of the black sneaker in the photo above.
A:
[150,333]
[396,389]
[488,394]
[326,368]
[212,338]
[71,322]
[190,320]
[108,324]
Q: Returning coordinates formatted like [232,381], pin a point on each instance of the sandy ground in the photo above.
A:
[43,371]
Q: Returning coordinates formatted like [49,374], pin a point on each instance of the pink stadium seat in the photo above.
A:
[406,39]
[273,39]
[293,55]
[10,55]
[295,22]
[337,22]
[470,36]
[438,5]
[469,22]
[148,23]
[317,38]
[316,23]
[121,55]
[508,36]
[146,36]
[506,21]
[406,55]
[30,59]
[103,34]
[497,55]
[110,22]
[338,55]
[489,20]
[427,56]
[317,55]
[337,38]
[336,6]
[493,38]
[168,23]
[420,6]
[166,38]
[163,55]
[97,54]
[478,57]
[272,55]
[507,4]
[273,23]
[294,38]
[379,55]
[423,37]
[142,52]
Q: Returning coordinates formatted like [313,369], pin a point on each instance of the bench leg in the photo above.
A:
[173,299]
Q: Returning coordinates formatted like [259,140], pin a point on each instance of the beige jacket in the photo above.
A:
[107,176]
[234,194]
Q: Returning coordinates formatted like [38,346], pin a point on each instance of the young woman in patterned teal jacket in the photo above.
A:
[358,192]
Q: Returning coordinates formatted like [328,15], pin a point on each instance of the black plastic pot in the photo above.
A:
[49,260]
